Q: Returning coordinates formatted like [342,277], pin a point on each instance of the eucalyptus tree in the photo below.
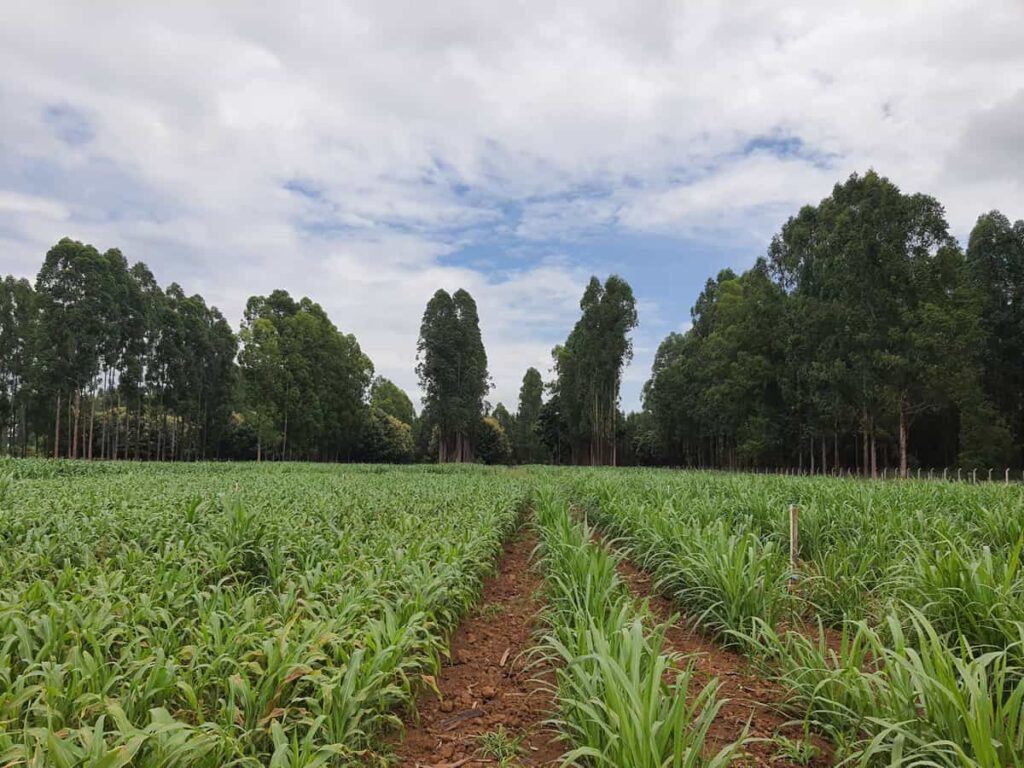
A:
[995,268]
[305,381]
[72,295]
[529,448]
[876,271]
[452,368]
[17,307]
[589,369]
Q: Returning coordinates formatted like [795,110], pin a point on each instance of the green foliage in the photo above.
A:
[305,380]
[528,445]
[589,369]
[206,615]
[491,442]
[452,366]
[502,747]
[901,641]
[995,268]
[623,700]
[392,400]
[387,439]
[830,351]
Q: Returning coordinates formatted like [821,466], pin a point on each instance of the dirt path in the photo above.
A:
[486,684]
[750,697]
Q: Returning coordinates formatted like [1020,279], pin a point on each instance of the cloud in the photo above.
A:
[366,153]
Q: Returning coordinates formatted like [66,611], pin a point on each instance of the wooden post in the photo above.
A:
[794,543]
[959,474]
[974,475]
[990,475]
[944,471]
[1007,475]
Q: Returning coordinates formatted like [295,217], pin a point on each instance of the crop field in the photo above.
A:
[903,638]
[296,615]
[229,615]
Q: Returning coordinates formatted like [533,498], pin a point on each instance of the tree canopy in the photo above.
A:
[589,367]
[452,366]
[865,337]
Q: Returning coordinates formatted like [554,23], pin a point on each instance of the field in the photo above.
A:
[300,615]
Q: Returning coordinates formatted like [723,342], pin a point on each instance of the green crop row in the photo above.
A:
[624,699]
[208,615]
[922,582]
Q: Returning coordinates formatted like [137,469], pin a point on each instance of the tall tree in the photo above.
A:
[529,448]
[72,289]
[864,265]
[589,369]
[17,321]
[452,367]
[306,382]
[995,268]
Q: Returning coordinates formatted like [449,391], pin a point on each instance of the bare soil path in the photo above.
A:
[486,685]
[750,697]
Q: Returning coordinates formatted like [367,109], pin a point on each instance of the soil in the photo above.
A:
[749,696]
[489,682]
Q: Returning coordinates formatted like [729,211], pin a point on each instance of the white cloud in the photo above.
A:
[348,150]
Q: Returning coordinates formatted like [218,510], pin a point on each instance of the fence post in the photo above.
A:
[1007,475]
[930,471]
[794,543]
[959,474]
[974,475]
[990,475]
[885,471]
[945,470]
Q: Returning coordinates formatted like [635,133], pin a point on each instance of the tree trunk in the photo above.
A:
[284,439]
[874,455]
[138,430]
[865,430]
[56,431]
[92,423]
[72,426]
[117,425]
[824,456]
[904,435]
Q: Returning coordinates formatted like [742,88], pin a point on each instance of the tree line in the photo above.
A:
[97,361]
[866,337]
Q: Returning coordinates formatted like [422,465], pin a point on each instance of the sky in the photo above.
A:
[368,153]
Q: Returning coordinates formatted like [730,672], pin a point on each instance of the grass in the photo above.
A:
[501,746]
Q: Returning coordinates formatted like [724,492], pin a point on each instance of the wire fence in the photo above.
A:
[1005,475]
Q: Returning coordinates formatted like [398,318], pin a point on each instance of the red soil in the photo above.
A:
[487,683]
